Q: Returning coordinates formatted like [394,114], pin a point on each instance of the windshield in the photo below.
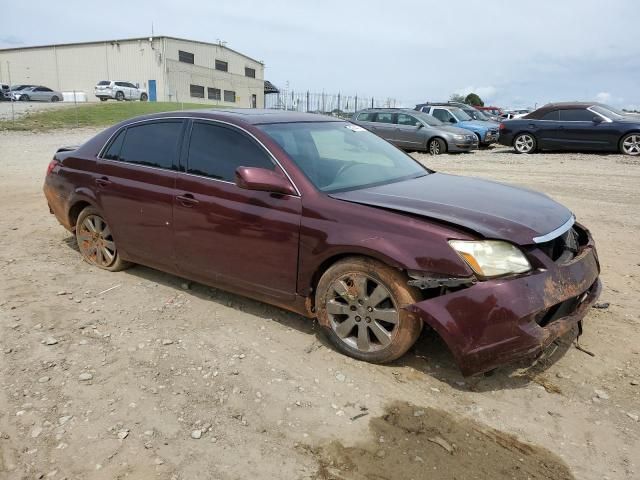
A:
[460,114]
[476,114]
[338,156]
[609,112]
[428,119]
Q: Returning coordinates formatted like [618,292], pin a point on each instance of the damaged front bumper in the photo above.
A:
[495,322]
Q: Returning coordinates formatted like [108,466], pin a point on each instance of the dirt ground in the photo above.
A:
[141,375]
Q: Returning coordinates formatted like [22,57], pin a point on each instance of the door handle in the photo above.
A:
[187,200]
[102,181]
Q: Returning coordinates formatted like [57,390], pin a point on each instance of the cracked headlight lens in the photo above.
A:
[491,258]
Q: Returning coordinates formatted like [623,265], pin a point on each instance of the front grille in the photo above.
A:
[563,248]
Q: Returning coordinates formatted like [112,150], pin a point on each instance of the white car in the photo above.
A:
[106,89]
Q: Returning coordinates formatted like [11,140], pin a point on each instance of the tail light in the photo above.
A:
[502,126]
[52,165]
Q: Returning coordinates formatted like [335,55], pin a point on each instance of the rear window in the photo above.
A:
[104,82]
[576,115]
[152,144]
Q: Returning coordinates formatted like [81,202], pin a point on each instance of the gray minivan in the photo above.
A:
[412,130]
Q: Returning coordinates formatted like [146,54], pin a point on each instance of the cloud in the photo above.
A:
[11,41]
[603,97]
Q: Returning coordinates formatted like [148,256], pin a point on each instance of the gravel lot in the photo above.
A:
[138,374]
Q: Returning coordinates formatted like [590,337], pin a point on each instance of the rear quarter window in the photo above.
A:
[366,117]
[152,144]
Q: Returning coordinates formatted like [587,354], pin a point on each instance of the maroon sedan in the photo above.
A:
[324,218]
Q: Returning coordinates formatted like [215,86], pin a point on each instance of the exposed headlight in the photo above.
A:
[491,258]
[460,137]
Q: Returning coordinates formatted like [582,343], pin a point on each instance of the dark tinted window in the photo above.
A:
[104,82]
[196,91]
[113,151]
[550,115]
[384,117]
[185,57]
[250,72]
[404,119]
[216,152]
[442,115]
[576,115]
[213,93]
[221,65]
[229,96]
[121,84]
[366,117]
[153,144]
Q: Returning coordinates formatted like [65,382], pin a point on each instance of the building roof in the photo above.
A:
[114,40]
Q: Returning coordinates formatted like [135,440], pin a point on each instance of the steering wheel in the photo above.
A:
[348,167]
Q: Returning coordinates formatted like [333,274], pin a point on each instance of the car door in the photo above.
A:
[384,126]
[38,94]
[134,92]
[409,133]
[224,234]
[135,189]
[580,131]
[547,130]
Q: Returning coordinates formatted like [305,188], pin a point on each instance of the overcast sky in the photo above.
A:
[512,53]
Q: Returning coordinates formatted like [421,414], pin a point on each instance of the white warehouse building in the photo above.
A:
[169,68]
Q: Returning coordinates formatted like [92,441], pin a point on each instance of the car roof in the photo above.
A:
[253,116]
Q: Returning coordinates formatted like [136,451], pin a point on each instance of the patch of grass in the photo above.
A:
[92,115]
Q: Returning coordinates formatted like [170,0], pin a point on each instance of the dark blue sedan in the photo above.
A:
[573,126]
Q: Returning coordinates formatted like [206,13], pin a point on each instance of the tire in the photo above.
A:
[630,144]
[525,143]
[103,99]
[436,146]
[143,97]
[96,243]
[24,98]
[55,99]
[119,96]
[359,322]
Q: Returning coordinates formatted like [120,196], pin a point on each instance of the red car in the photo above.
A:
[321,217]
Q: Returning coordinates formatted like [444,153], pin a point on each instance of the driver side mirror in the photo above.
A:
[452,120]
[597,119]
[419,126]
[264,180]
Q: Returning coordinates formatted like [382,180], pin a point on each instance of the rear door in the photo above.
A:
[409,132]
[226,234]
[135,189]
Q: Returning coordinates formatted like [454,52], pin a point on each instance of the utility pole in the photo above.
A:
[13,113]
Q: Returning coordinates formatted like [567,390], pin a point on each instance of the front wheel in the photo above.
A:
[630,144]
[361,304]
[96,243]
[524,143]
[55,99]
[437,146]
[24,98]
[143,97]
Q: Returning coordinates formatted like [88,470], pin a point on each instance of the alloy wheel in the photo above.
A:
[96,241]
[631,144]
[362,312]
[434,147]
[524,143]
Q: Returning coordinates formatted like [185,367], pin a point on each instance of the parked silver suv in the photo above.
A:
[106,89]
[414,130]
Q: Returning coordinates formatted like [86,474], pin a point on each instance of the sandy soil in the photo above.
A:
[140,375]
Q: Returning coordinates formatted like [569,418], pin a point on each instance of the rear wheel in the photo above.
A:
[524,143]
[96,243]
[103,99]
[437,146]
[630,144]
[143,97]
[360,302]
[119,96]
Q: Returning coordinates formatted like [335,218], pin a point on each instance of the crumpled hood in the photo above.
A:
[493,210]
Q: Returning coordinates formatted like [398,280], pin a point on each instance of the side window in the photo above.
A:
[576,115]
[216,152]
[384,118]
[442,115]
[152,144]
[404,119]
[553,115]
[366,117]
[113,151]
[120,84]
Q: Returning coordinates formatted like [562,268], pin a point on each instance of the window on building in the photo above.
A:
[152,144]
[229,96]
[196,91]
[249,72]
[216,152]
[213,94]
[222,66]
[185,57]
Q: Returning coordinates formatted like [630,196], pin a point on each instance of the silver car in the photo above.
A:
[37,94]
[412,130]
